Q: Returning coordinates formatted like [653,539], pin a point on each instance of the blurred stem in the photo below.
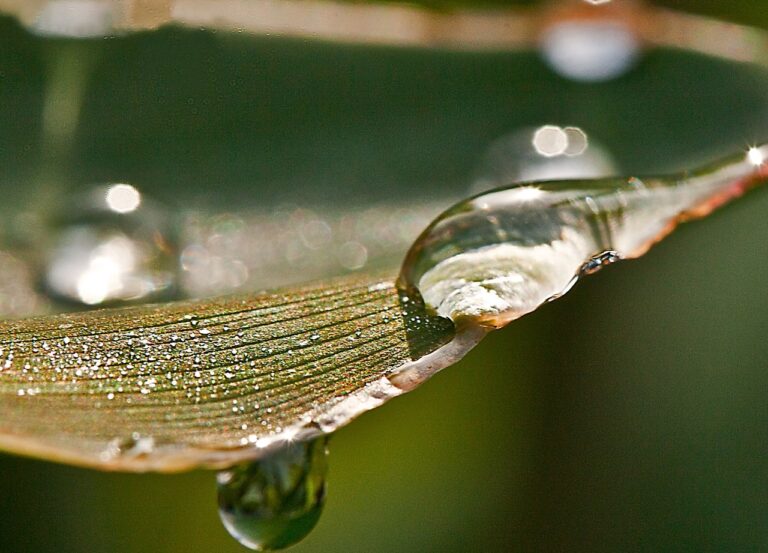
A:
[69,65]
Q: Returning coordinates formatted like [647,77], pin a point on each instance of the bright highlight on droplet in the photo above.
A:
[123,198]
[528,193]
[92,286]
[552,141]
[755,156]
[107,273]
[577,141]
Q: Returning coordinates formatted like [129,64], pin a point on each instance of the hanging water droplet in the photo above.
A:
[113,245]
[275,502]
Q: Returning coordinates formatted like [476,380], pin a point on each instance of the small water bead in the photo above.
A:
[275,502]
[130,446]
[500,255]
[18,295]
[112,245]
[599,261]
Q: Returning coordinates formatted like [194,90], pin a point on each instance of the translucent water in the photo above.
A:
[112,245]
[275,502]
[497,256]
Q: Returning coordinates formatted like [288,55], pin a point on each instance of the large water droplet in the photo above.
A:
[112,245]
[500,255]
[275,502]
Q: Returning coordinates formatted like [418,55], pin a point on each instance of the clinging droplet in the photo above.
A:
[599,261]
[497,256]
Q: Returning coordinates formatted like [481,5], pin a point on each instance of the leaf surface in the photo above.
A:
[205,383]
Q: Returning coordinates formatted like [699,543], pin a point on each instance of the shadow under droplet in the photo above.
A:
[425,330]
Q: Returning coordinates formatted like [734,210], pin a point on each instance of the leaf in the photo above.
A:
[210,383]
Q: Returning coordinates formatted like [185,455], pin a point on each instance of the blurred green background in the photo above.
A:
[629,416]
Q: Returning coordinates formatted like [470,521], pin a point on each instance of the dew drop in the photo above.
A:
[275,502]
[112,245]
[500,255]
[525,155]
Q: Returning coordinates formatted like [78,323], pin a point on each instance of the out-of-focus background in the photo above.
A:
[629,416]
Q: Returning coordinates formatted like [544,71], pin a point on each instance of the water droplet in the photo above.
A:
[590,48]
[543,153]
[500,255]
[599,261]
[275,502]
[134,445]
[112,245]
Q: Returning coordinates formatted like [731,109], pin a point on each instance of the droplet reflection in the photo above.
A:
[275,502]
[550,141]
